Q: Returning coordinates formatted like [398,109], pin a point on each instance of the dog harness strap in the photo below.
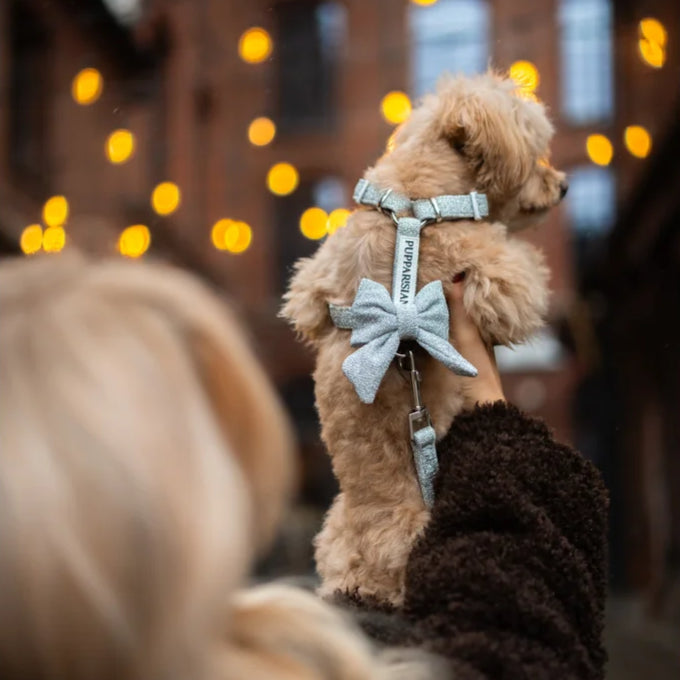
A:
[423,436]
[472,206]
[384,200]
[379,322]
[343,317]
[405,268]
[424,448]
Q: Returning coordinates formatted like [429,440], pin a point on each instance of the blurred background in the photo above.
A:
[226,136]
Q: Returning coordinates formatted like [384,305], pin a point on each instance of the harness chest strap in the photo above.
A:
[472,206]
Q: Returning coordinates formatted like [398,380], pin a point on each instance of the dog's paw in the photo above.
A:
[507,296]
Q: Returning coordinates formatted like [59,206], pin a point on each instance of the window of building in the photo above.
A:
[591,207]
[586,52]
[28,97]
[449,36]
[159,137]
[591,201]
[308,49]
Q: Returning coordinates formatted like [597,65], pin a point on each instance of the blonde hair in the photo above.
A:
[144,460]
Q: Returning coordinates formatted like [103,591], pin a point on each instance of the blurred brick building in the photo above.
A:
[173,76]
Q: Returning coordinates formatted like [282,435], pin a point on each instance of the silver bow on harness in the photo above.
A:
[379,325]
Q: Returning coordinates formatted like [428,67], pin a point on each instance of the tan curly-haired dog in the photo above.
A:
[474,134]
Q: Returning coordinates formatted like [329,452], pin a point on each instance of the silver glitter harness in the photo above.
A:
[380,322]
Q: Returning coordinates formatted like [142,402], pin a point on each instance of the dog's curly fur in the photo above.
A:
[474,134]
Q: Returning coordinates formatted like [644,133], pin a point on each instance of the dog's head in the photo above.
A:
[480,134]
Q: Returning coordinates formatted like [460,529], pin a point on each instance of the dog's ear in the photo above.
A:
[481,123]
[311,288]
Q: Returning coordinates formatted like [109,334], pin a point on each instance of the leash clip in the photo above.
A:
[419,417]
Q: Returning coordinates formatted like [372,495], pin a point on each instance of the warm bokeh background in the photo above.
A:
[201,131]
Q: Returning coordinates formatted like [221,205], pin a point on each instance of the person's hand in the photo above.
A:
[486,387]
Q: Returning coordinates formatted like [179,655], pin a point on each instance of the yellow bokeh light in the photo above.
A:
[120,145]
[282,179]
[87,86]
[31,239]
[637,140]
[218,232]
[55,211]
[53,239]
[134,241]
[238,237]
[165,198]
[526,76]
[653,30]
[599,149]
[337,219]
[395,107]
[652,53]
[423,3]
[652,42]
[255,45]
[261,131]
[313,223]
[233,236]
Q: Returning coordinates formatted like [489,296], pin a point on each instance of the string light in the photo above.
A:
[313,223]
[233,236]
[87,86]
[337,219]
[599,149]
[638,141]
[120,145]
[526,76]
[652,42]
[218,231]
[653,29]
[31,239]
[54,239]
[282,179]
[134,241]
[261,131]
[652,53]
[55,211]
[395,107]
[255,45]
[238,237]
[165,198]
